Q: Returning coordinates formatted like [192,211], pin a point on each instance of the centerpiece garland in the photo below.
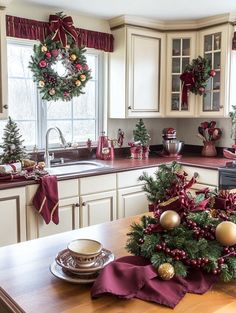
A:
[60,46]
[195,77]
[186,231]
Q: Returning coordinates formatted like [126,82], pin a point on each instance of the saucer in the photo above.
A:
[58,271]
[65,260]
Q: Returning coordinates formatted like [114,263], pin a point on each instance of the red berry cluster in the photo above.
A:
[177,254]
[151,228]
[207,231]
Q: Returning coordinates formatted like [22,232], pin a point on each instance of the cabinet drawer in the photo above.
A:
[205,176]
[130,178]
[66,189]
[96,184]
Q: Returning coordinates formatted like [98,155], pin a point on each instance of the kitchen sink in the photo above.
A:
[74,167]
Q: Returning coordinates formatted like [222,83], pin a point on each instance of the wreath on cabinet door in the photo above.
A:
[59,66]
[195,77]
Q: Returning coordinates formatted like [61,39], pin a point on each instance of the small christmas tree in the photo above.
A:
[141,134]
[13,149]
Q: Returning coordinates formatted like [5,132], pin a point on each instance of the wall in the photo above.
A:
[154,127]
[187,131]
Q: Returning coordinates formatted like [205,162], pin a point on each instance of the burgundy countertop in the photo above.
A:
[126,164]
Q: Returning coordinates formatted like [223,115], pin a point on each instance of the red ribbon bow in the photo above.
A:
[61,27]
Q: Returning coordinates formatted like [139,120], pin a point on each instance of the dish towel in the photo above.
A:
[134,277]
[46,199]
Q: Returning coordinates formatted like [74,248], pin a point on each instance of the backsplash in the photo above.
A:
[186,129]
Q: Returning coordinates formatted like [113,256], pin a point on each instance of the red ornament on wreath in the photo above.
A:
[212,73]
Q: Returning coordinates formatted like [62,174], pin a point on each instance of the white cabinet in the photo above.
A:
[97,199]
[68,211]
[136,73]
[181,49]
[13,216]
[132,200]
[215,44]
[3,66]
[205,177]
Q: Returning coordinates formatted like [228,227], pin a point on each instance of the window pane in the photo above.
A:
[28,132]
[58,110]
[22,99]
[84,106]
[65,127]
[92,60]
[19,57]
[84,130]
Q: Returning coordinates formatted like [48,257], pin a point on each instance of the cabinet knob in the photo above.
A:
[129,107]
[76,205]
[5,106]
[83,203]
[195,174]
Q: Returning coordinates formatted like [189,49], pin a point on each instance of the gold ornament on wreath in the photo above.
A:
[169,219]
[59,66]
[166,271]
[226,233]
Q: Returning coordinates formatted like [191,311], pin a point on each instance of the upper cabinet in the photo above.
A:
[3,66]
[215,44]
[181,49]
[136,73]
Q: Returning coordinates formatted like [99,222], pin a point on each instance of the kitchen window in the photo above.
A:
[79,119]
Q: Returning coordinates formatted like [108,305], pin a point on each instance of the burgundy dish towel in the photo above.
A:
[46,199]
[134,277]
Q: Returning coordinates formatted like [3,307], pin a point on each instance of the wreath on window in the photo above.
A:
[59,66]
[195,77]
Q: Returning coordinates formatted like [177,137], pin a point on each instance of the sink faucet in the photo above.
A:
[63,141]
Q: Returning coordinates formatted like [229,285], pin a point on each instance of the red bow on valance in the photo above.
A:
[61,27]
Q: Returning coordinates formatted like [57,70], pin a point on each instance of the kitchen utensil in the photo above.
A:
[172,147]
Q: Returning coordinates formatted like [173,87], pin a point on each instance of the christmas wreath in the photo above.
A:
[195,77]
[59,66]
[186,232]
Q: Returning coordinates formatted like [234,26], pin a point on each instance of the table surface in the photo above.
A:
[27,285]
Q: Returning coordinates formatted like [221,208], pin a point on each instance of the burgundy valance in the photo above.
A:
[24,28]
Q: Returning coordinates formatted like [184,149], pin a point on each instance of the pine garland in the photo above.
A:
[193,243]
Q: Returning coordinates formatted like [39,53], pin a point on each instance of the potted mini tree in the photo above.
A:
[140,145]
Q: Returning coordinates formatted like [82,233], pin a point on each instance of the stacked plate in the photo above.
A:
[67,267]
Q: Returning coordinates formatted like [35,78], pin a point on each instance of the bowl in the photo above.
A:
[173,147]
[84,252]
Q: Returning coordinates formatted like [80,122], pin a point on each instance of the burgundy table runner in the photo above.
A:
[134,277]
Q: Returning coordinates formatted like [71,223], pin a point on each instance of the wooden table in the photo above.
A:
[27,285]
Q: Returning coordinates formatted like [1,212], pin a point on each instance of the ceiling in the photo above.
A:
[154,9]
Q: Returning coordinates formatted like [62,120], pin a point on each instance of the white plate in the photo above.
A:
[65,260]
[58,271]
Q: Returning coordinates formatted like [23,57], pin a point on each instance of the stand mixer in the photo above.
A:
[171,146]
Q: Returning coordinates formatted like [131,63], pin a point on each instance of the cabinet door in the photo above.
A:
[68,220]
[215,44]
[13,216]
[3,66]
[180,52]
[98,208]
[132,201]
[146,63]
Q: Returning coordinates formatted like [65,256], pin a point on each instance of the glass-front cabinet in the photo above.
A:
[181,49]
[215,45]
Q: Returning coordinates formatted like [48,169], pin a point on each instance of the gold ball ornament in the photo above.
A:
[82,77]
[169,219]
[52,92]
[226,233]
[41,83]
[73,57]
[166,271]
[78,82]
[44,49]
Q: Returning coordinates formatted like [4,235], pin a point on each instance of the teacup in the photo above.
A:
[84,251]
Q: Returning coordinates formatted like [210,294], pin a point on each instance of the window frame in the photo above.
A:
[41,104]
